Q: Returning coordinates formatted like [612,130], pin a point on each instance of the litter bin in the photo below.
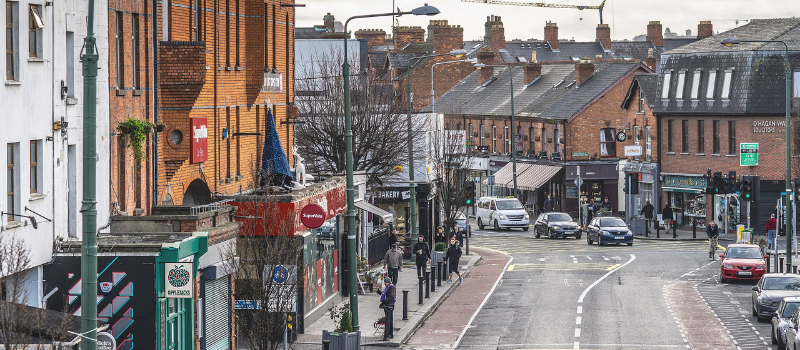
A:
[639,226]
[747,235]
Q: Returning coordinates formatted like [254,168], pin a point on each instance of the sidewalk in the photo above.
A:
[682,235]
[368,311]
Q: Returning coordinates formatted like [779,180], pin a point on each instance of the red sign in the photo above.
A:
[312,215]
[199,140]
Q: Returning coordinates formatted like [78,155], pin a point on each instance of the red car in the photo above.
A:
[742,262]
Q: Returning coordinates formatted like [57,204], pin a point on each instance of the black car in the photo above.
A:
[556,225]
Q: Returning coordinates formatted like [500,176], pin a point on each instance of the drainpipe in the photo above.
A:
[156,108]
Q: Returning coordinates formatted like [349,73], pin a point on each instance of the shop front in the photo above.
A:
[600,181]
[685,194]
[534,183]
[395,200]
[647,186]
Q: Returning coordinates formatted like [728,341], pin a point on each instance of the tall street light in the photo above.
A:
[730,42]
[348,136]
[412,186]
[471,60]
[513,122]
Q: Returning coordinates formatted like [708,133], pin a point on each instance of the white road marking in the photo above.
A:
[578,320]
[589,257]
[586,291]
[577,332]
[577,345]
[580,310]
[604,258]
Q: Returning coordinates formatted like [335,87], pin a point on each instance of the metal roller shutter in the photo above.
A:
[217,312]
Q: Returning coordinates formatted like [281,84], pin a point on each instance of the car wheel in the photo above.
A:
[774,340]
[722,279]
[755,312]
[480,224]
[496,226]
[550,234]
[588,240]
[577,236]
[537,231]
[630,244]
[526,229]
[600,242]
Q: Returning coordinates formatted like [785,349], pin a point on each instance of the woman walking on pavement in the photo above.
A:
[452,256]
[772,234]
[666,215]
[713,233]
[388,298]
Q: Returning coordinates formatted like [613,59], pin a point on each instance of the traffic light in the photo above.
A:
[289,321]
[469,193]
[718,185]
[634,183]
[747,188]
[796,184]
[732,182]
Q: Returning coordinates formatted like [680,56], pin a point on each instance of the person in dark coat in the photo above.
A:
[712,230]
[452,256]
[606,204]
[439,236]
[666,215]
[388,298]
[393,237]
[647,211]
[548,204]
[422,255]
[591,208]
[454,233]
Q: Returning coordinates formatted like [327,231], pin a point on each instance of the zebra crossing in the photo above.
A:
[525,245]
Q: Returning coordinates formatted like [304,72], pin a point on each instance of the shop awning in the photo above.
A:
[684,190]
[529,176]
[386,216]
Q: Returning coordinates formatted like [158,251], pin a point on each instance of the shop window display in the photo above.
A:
[726,208]
[696,210]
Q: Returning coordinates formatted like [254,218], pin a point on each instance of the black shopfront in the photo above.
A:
[394,199]
[600,180]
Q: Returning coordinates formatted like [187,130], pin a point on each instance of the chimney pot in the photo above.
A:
[655,33]
[532,71]
[603,36]
[583,70]
[551,35]
[485,57]
[704,30]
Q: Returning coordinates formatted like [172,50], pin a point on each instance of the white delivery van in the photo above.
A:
[502,212]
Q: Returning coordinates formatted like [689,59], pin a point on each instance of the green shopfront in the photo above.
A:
[686,195]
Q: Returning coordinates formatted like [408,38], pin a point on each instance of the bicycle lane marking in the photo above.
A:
[577,343]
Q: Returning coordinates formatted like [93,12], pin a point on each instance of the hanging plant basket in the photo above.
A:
[136,130]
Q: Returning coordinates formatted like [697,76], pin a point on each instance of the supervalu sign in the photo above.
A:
[178,280]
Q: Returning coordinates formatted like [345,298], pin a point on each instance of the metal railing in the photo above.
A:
[200,209]
[377,245]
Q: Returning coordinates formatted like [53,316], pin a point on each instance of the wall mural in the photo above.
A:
[125,284]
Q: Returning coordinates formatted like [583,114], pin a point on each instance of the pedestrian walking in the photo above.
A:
[452,256]
[712,230]
[439,236]
[666,215]
[548,204]
[393,262]
[591,208]
[393,237]
[647,211]
[606,204]
[454,233]
[388,298]
[772,233]
[422,256]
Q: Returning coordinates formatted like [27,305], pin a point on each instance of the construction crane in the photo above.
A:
[541,4]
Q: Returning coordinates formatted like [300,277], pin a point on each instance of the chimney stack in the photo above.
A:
[551,35]
[533,70]
[375,36]
[655,34]
[328,21]
[603,34]
[405,35]
[651,60]
[583,70]
[704,30]
[486,57]
[445,37]
[494,36]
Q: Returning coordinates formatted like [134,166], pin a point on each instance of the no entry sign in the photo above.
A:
[312,216]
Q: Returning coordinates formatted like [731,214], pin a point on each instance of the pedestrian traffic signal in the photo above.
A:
[289,321]
[469,193]
[747,188]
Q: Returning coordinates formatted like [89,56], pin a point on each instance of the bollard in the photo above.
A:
[405,305]
[658,230]
[768,262]
[421,285]
[794,269]
[433,278]
[326,344]
[427,282]
[439,272]
[780,264]
[674,230]
[694,228]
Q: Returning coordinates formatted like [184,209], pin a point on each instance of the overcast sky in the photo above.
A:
[627,18]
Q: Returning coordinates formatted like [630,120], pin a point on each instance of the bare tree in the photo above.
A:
[379,122]
[14,261]
[451,162]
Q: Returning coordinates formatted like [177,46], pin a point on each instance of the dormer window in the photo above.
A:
[696,84]
[712,83]
[679,90]
[726,84]
[665,86]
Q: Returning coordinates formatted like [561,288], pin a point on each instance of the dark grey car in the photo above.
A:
[769,292]
[556,225]
[781,318]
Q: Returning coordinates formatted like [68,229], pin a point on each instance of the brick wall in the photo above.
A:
[404,35]
[654,33]
[374,36]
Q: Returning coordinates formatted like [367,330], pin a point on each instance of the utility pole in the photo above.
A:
[89,204]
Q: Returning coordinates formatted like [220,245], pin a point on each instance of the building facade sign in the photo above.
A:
[273,82]
[199,140]
[456,141]
[748,154]
[178,282]
[769,126]
[679,181]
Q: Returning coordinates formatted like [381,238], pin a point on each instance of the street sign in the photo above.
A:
[280,274]
[580,154]
[578,182]
[748,154]
[483,148]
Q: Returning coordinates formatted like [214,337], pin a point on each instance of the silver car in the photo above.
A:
[769,292]
[781,318]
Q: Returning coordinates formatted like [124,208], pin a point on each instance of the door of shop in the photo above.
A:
[176,323]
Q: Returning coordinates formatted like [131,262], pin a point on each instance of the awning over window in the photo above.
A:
[529,176]
[386,216]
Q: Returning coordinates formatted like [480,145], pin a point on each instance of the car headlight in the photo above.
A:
[765,302]
[502,217]
[628,233]
[527,216]
[605,233]
[761,267]
[727,266]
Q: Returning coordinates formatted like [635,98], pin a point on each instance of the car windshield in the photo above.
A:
[782,283]
[559,217]
[744,253]
[612,222]
[509,204]
[789,309]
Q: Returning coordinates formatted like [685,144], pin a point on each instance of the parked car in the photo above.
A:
[607,230]
[780,319]
[501,212]
[769,292]
[462,221]
[742,262]
[792,336]
[556,225]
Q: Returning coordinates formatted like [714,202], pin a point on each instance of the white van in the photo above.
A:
[502,212]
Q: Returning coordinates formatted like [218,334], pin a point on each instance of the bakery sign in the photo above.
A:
[273,82]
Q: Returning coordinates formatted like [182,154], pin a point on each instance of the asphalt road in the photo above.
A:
[566,294]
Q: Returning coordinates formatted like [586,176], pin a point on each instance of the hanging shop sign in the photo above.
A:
[312,216]
[621,136]
[106,341]
[748,154]
[199,140]
[178,282]
[633,151]
[273,82]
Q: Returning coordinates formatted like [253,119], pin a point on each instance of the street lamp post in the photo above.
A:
[412,186]
[513,120]
[352,285]
[730,42]
[433,109]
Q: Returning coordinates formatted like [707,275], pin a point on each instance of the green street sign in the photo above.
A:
[580,154]
[748,154]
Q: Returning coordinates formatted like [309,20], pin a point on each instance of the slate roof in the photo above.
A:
[757,83]
[377,59]
[568,51]
[647,82]
[605,76]
[307,33]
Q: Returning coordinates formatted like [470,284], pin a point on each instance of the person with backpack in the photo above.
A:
[452,256]
[388,298]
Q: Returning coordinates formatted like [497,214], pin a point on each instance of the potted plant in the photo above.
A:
[343,337]
[438,253]
[136,130]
